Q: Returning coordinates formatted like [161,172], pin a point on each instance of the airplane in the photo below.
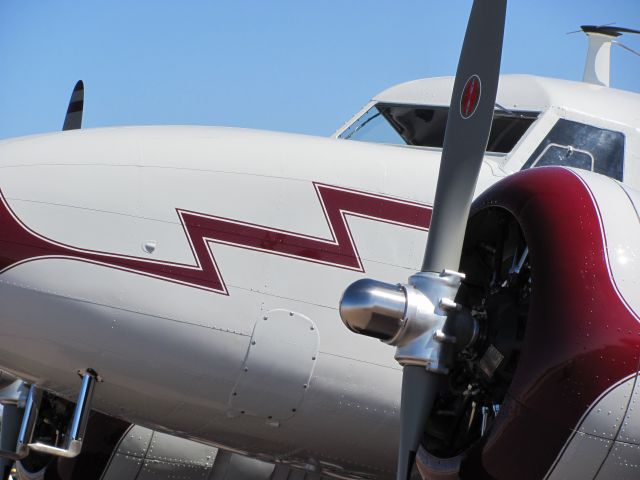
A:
[184,283]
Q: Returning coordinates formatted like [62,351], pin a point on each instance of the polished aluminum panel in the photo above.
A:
[143,454]
[276,372]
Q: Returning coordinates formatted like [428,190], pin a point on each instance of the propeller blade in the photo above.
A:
[73,118]
[468,126]
[467,133]
[419,389]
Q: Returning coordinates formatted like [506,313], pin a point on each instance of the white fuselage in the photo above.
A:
[172,356]
[258,362]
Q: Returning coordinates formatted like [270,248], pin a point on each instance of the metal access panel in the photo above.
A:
[143,454]
[277,371]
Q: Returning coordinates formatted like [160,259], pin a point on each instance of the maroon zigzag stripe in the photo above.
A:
[18,243]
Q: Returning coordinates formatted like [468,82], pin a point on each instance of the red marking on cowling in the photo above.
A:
[19,244]
[470,96]
[582,337]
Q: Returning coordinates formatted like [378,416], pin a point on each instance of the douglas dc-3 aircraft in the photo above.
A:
[187,281]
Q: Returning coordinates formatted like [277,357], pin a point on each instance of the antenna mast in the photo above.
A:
[597,68]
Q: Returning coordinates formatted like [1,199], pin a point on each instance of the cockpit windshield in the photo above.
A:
[424,126]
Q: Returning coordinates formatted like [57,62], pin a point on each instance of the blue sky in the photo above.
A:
[289,65]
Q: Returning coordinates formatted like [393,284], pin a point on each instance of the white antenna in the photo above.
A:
[597,68]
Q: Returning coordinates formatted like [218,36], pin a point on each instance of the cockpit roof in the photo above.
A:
[529,93]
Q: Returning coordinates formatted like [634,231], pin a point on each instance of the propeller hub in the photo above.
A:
[411,317]
[430,300]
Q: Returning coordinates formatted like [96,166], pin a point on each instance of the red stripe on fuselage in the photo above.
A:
[19,244]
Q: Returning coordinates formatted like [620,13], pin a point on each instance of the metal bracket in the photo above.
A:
[433,301]
[12,399]
[75,435]
[29,418]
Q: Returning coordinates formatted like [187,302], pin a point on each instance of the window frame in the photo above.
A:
[533,115]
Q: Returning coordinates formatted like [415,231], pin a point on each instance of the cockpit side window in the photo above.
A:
[372,127]
[583,146]
[425,126]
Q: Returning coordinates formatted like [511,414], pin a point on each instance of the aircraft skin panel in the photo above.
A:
[581,458]
[590,444]
[283,351]
[123,467]
[147,357]
[607,443]
[605,416]
[145,454]
[623,462]
[624,458]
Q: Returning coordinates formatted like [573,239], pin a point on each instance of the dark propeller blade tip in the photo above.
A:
[73,118]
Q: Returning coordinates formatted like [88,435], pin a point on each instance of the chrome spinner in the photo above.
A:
[410,316]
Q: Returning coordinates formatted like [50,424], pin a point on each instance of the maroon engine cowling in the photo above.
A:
[580,337]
